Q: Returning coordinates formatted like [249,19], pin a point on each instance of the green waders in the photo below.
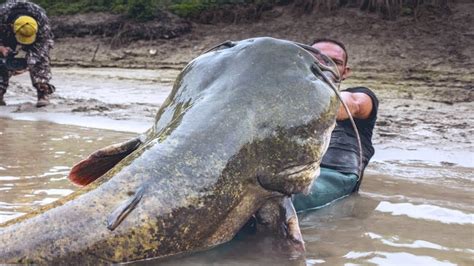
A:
[330,185]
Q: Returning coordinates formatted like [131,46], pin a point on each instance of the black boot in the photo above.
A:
[43,98]
[44,90]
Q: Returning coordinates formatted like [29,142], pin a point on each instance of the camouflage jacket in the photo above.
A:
[37,54]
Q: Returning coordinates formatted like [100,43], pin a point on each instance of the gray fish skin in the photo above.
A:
[242,125]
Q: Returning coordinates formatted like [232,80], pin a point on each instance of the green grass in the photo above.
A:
[146,9]
[138,9]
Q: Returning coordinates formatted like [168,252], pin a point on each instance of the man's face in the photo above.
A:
[337,54]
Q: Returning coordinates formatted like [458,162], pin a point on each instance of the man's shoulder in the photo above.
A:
[371,94]
[362,89]
[365,90]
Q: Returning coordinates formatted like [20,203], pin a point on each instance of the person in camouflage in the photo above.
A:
[25,25]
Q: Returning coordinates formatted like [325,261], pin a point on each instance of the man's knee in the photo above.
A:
[328,186]
[4,78]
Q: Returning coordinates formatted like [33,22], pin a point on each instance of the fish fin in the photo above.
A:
[101,161]
[293,231]
[119,214]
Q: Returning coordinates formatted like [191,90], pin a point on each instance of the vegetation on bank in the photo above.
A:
[147,9]
[143,9]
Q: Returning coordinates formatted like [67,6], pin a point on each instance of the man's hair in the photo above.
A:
[336,42]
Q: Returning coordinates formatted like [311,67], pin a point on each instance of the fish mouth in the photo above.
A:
[298,178]
[299,169]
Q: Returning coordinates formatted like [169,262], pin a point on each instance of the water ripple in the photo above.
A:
[396,258]
[415,244]
[426,212]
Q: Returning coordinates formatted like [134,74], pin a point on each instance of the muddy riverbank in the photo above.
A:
[435,41]
[422,70]
[432,110]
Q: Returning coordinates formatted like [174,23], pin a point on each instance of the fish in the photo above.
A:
[246,124]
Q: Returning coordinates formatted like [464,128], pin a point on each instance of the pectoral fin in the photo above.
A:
[101,161]
[117,216]
[278,216]
[293,230]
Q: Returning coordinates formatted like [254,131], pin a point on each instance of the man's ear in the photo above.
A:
[347,73]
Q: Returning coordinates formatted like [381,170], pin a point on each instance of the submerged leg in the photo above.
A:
[330,185]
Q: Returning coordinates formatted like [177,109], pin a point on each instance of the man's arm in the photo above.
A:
[360,105]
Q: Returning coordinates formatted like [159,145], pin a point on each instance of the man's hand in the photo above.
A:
[4,51]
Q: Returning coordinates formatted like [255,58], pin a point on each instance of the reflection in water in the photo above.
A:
[35,158]
[458,157]
[397,242]
[427,212]
[398,258]
[408,213]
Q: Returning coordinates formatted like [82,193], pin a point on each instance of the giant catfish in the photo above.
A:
[245,123]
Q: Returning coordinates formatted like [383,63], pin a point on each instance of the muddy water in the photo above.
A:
[410,211]
[416,205]
[35,158]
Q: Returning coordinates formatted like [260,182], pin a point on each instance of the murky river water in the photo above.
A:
[416,207]
[35,158]
[408,212]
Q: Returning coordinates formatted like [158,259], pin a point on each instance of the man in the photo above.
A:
[340,165]
[26,25]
